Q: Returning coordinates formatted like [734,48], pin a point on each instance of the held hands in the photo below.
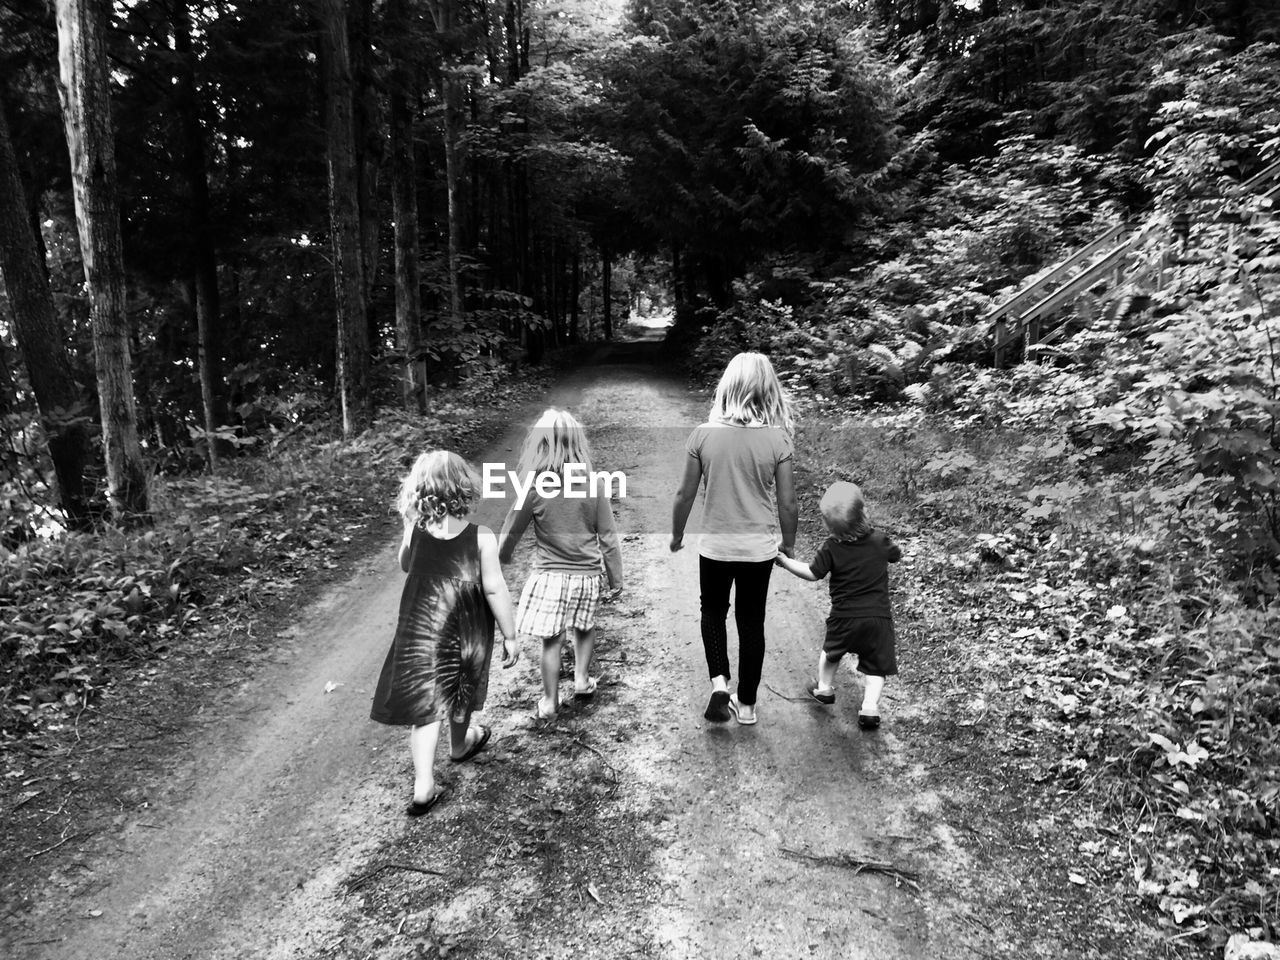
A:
[612,595]
[510,652]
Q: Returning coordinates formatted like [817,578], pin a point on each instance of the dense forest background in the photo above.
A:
[314,230]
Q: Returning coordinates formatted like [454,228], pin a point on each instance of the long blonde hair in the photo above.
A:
[749,392]
[556,439]
[439,484]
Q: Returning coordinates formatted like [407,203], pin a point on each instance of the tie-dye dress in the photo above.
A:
[438,665]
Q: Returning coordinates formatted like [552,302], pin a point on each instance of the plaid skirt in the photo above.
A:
[552,602]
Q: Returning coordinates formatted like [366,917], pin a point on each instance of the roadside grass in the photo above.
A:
[218,549]
[1080,675]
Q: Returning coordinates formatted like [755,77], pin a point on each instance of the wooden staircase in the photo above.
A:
[1036,314]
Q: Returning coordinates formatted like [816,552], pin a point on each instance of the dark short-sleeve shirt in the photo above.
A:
[859,574]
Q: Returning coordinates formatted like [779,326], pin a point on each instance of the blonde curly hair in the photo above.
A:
[439,484]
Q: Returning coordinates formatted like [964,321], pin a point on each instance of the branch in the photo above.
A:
[848,861]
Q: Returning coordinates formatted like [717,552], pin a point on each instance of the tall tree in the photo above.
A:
[370,140]
[86,112]
[444,14]
[344,219]
[42,338]
[404,199]
[203,256]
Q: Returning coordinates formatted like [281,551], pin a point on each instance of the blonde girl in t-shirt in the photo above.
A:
[575,539]
[742,457]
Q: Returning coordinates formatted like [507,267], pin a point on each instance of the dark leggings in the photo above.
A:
[752,590]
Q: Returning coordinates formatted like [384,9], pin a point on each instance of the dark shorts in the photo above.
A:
[870,638]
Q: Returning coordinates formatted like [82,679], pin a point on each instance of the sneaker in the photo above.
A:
[869,721]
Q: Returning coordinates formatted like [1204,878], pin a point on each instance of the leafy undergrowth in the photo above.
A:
[78,610]
[1108,694]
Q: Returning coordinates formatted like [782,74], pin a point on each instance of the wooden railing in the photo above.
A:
[1105,264]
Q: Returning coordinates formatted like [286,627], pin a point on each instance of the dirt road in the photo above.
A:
[286,792]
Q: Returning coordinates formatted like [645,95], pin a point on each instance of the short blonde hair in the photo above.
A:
[749,392]
[439,484]
[845,511]
[556,439]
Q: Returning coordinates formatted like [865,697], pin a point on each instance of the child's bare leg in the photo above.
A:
[826,672]
[584,647]
[422,747]
[871,695]
[550,702]
[458,731]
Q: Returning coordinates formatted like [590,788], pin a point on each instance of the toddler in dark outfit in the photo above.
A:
[857,557]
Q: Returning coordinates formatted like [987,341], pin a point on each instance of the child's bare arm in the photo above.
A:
[784,479]
[801,570]
[685,496]
[513,528]
[495,591]
[607,535]
[405,541]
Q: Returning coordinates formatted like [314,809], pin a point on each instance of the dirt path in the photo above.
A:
[287,792]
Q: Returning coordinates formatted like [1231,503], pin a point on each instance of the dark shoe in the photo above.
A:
[416,809]
[476,747]
[718,707]
[869,721]
[816,692]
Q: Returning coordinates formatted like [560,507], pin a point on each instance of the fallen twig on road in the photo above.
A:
[857,864]
[50,849]
[603,759]
[361,880]
[785,697]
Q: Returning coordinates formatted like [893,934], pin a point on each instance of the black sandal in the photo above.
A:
[718,707]
[476,747]
[416,809]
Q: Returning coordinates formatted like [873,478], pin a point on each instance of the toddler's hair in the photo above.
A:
[845,511]
[439,484]
[556,439]
[749,392]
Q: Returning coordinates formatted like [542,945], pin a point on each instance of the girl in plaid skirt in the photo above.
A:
[575,539]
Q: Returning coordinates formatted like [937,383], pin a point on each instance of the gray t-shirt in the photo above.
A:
[572,534]
[739,506]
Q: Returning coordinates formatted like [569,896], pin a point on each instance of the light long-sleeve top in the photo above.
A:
[571,534]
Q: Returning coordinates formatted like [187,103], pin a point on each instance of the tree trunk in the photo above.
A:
[204,258]
[86,114]
[42,340]
[371,148]
[452,95]
[344,220]
[404,199]
[606,294]
[444,15]
[575,291]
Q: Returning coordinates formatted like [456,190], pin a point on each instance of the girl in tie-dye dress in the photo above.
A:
[438,665]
